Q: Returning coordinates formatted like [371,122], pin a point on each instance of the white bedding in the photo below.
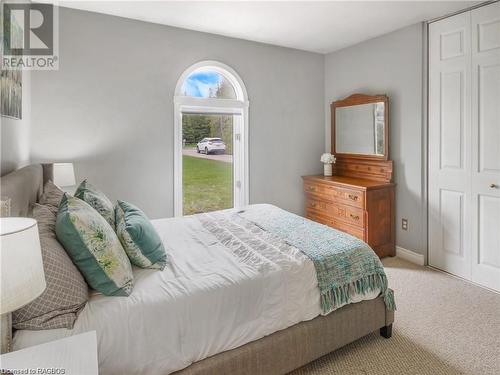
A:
[206,301]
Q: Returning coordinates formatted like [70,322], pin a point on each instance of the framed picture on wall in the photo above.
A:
[11,82]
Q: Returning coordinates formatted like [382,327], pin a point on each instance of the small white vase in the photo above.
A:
[328,169]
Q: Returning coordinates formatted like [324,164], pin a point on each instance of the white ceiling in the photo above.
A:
[318,26]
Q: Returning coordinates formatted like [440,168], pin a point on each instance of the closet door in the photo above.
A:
[449,145]
[486,145]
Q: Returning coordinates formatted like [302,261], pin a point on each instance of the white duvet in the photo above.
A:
[207,300]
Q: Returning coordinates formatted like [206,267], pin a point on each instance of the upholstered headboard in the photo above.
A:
[24,187]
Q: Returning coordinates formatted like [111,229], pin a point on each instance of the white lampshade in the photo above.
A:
[64,174]
[22,278]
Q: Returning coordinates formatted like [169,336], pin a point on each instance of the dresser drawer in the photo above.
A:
[320,217]
[323,191]
[350,197]
[353,231]
[320,206]
[334,193]
[350,215]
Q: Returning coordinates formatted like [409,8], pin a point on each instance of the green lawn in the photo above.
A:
[207,185]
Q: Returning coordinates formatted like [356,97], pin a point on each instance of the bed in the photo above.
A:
[216,309]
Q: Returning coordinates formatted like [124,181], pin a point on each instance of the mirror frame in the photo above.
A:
[357,99]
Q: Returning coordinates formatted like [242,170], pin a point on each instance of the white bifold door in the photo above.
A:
[464,145]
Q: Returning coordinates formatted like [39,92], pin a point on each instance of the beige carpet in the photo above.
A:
[443,325]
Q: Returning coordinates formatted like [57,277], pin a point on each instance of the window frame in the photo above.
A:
[238,107]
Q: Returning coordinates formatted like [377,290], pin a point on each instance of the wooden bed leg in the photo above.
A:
[386,331]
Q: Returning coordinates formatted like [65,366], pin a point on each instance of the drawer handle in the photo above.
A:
[355,217]
[311,188]
[313,205]
[353,197]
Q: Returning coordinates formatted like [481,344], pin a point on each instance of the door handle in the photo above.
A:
[494,186]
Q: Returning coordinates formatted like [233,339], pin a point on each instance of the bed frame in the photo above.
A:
[278,353]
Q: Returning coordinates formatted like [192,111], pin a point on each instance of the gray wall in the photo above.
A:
[391,64]
[109,108]
[15,134]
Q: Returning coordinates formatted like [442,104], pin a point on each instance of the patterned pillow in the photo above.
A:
[98,200]
[94,247]
[138,237]
[51,196]
[66,293]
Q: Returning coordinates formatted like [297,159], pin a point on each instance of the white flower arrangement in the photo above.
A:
[327,158]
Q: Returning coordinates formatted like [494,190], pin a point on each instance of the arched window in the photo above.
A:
[211,139]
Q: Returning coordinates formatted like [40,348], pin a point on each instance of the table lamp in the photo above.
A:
[64,176]
[22,278]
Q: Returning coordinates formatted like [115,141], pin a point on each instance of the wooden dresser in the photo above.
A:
[359,197]
[363,208]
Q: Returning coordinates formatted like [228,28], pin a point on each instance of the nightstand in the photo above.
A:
[74,355]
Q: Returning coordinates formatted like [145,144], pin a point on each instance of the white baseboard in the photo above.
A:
[410,256]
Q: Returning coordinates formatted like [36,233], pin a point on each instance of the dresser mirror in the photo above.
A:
[360,127]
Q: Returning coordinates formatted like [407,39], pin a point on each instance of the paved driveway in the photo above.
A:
[220,157]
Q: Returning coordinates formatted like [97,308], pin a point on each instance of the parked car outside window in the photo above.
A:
[211,146]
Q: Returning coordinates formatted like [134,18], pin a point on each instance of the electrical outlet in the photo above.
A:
[404,224]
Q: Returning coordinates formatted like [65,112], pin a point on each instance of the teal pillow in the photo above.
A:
[98,200]
[138,237]
[94,247]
